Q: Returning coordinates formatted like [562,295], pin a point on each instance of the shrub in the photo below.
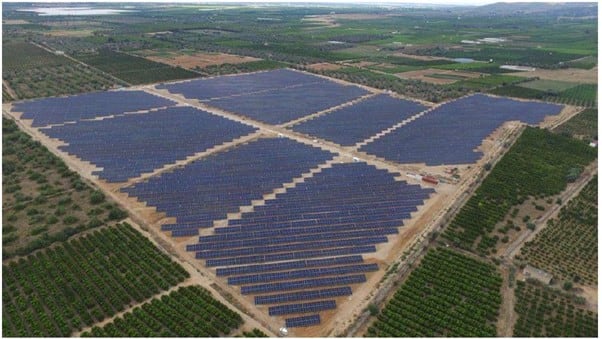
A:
[97,197]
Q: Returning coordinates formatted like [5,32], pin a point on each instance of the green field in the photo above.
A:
[60,290]
[546,312]
[548,85]
[448,295]
[187,312]
[568,246]
[583,126]
[132,69]
[535,166]
[43,201]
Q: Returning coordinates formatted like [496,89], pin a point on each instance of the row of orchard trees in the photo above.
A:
[536,165]
[449,294]
[60,290]
[187,312]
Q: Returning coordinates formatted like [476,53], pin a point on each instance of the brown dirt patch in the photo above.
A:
[15,22]
[419,57]
[200,60]
[588,76]
[324,66]
[430,75]
[79,33]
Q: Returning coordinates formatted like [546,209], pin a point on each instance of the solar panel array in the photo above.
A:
[211,187]
[299,246]
[352,124]
[128,145]
[205,89]
[304,321]
[450,133]
[59,110]
[286,104]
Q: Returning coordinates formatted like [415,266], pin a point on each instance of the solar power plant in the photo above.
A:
[352,124]
[209,188]
[129,145]
[450,133]
[50,111]
[309,238]
[289,103]
[225,86]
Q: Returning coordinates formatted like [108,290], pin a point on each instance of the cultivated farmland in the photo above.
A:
[546,312]
[568,246]
[186,312]
[63,289]
[33,72]
[449,294]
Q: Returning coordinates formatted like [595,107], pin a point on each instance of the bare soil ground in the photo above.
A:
[426,75]
[72,33]
[588,76]
[199,59]
[15,22]
[419,57]
[324,66]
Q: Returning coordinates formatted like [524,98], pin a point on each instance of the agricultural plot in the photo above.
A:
[579,95]
[535,166]
[450,133]
[546,312]
[548,85]
[33,72]
[132,69]
[568,246]
[208,189]
[226,86]
[282,105]
[51,111]
[129,145]
[448,295]
[583,126]
[66,288]
[187,312]
[352,124]
[43,201]
[346,209]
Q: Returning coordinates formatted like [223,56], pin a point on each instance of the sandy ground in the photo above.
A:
[200,59]
[9,90]
[424,75]
[588,76]
[429,217]
[324,66]
[72,33]
[15,22]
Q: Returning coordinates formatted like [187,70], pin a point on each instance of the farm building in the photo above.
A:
[537,274]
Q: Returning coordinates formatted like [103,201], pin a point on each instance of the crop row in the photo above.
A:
[568,246]
[449,294]
[546,312]
[584,95]
[187,312]
[57,291]
[583,126]
[535,166]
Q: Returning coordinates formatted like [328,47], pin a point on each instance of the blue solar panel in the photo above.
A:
[352,124]
[289,103]
[303,295]
[211,187]
[303,284]
[299,274]
[310,307]
[225,86]
[309,320]
[450,133]
[129,145]
[281,266]
[49,111]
